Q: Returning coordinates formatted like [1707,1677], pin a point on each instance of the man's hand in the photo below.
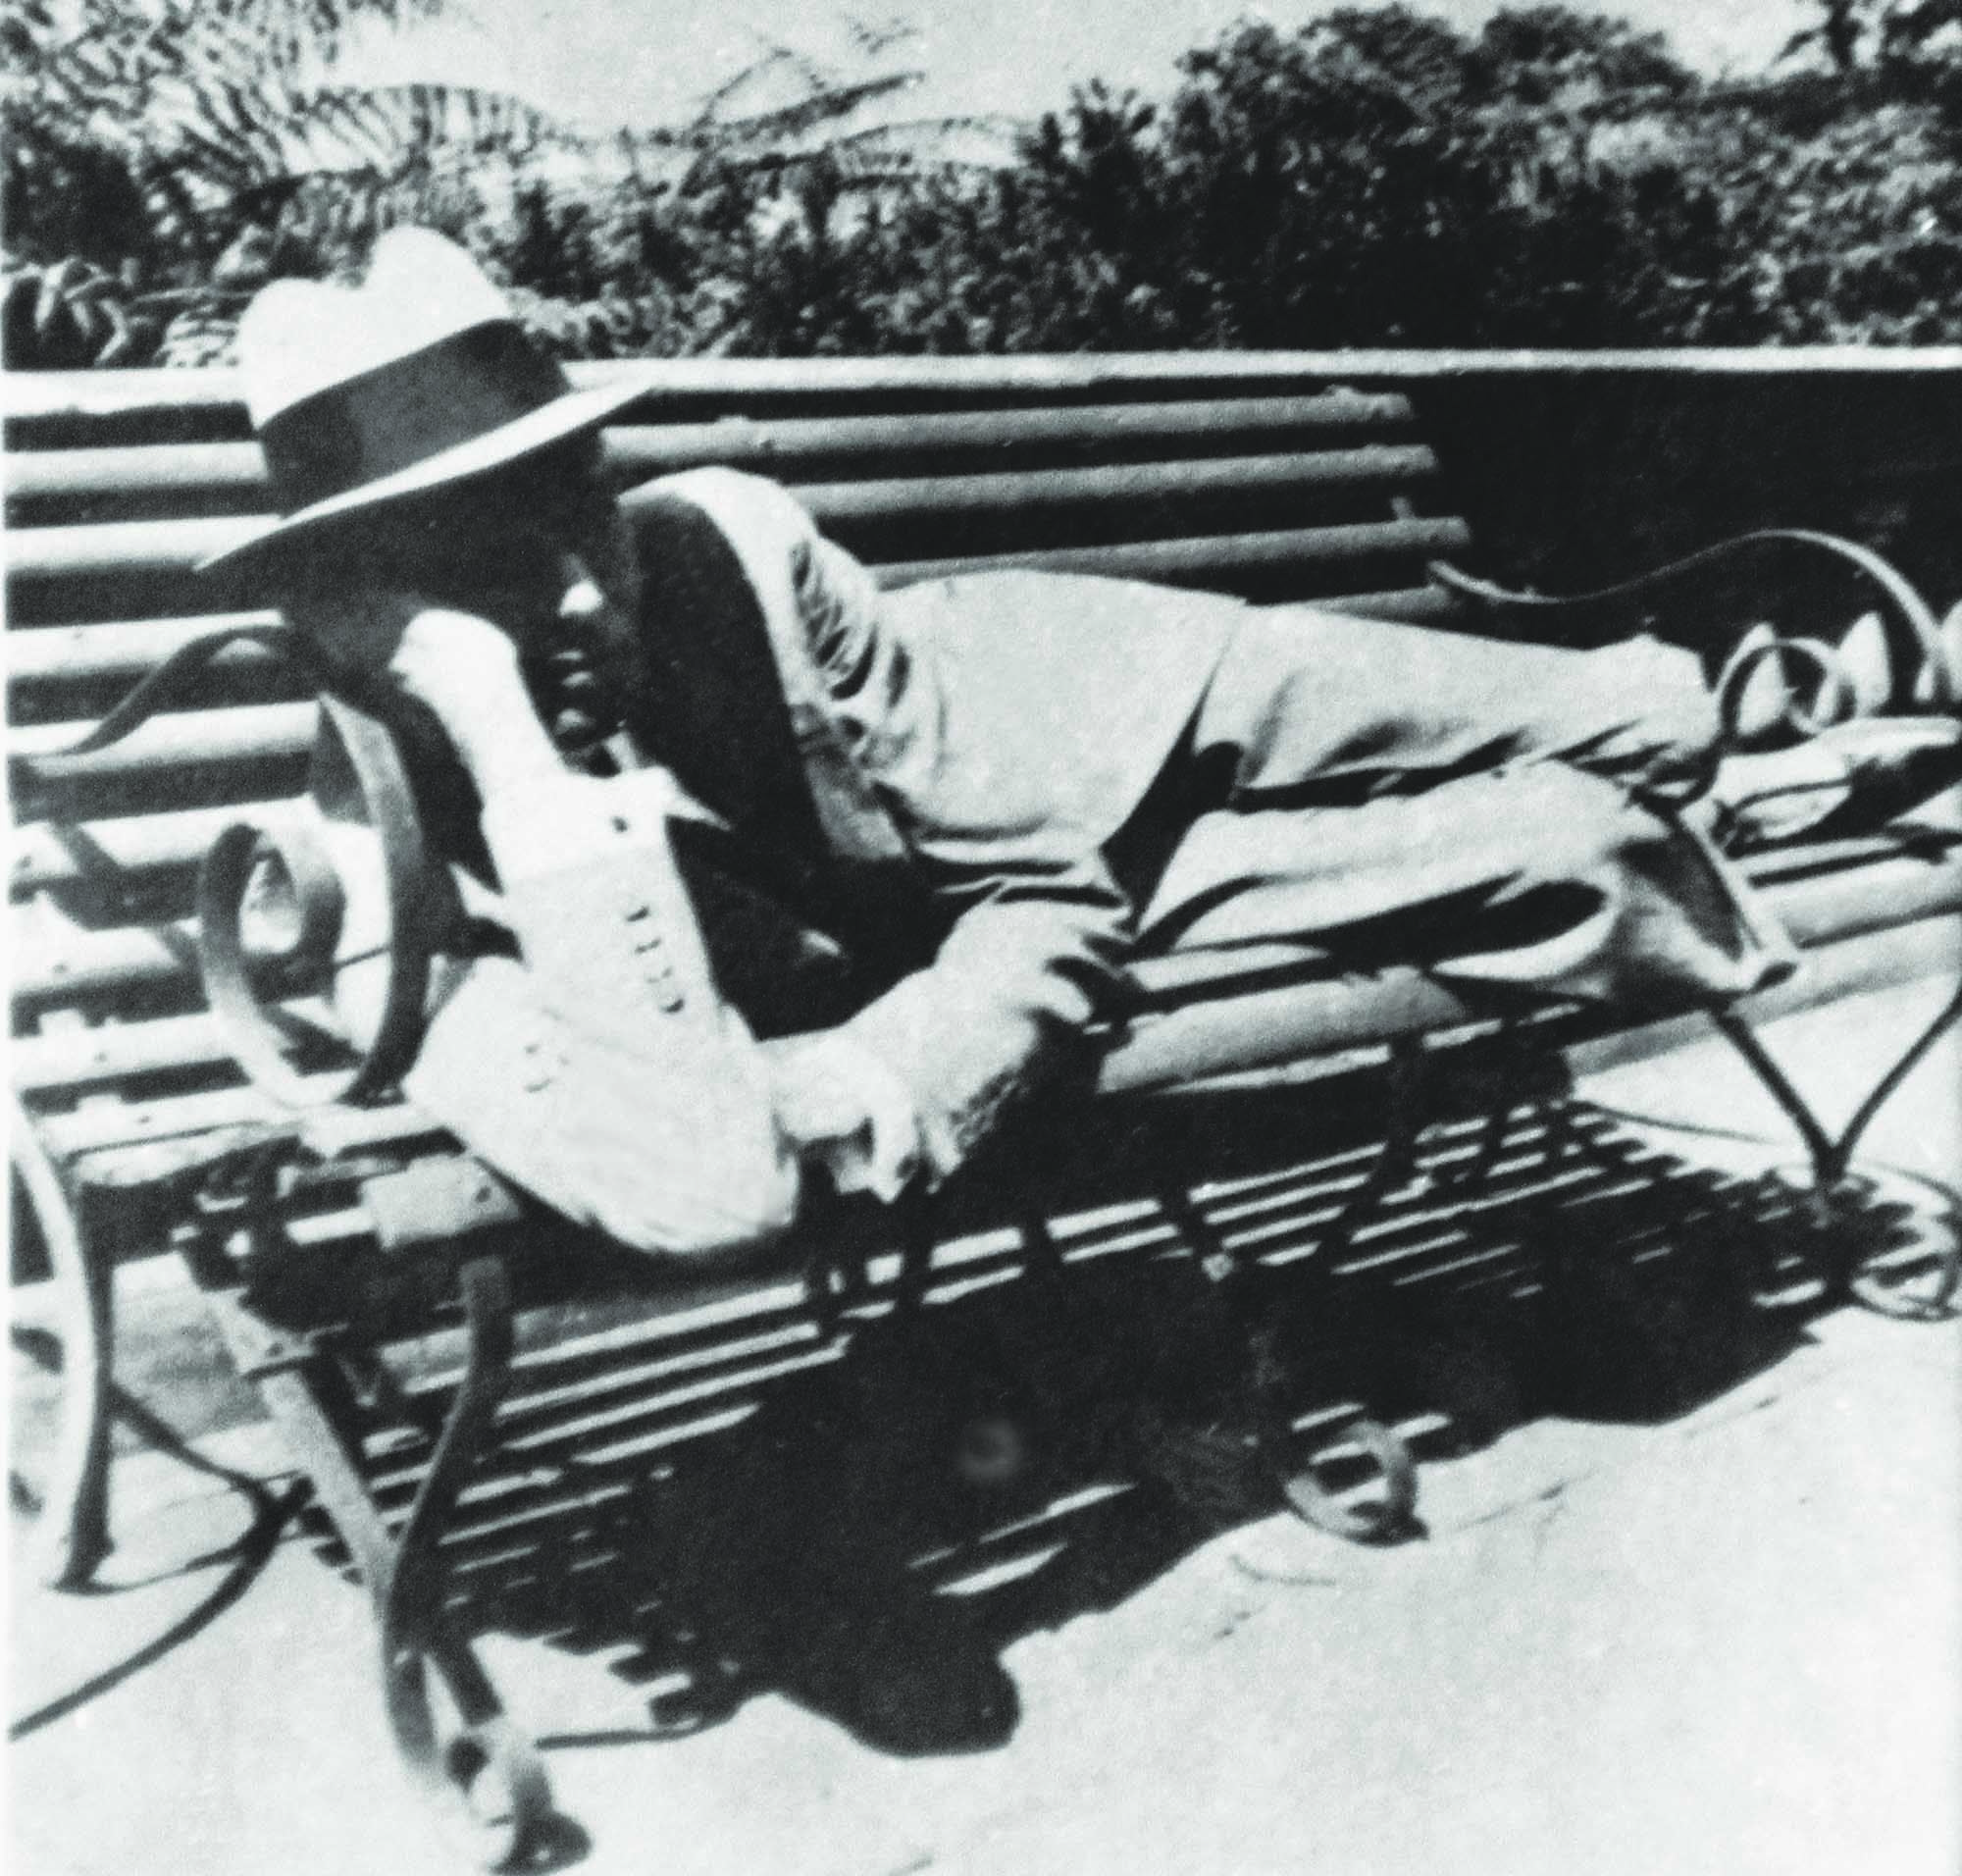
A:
[842,1107]
[466,670]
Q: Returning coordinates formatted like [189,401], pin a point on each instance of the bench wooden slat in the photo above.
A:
[785,445]
[94,1130]
[121,481]
[1249,1029]
[130,549]
[26,397]
[125,477]
[42,399]
[1412,605]
[55,960]
[1042,492]
[60,853]
[122,548]
[1221,557]
[125,650]
[67,1062]
[122,650]
[237,733]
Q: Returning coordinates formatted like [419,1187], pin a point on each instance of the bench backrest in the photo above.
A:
[1241,479]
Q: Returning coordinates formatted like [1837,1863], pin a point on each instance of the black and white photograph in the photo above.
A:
[996,940]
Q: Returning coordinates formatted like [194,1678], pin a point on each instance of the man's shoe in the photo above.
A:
[1867,664]
[1851,778]
[1772,688]
[1938,685]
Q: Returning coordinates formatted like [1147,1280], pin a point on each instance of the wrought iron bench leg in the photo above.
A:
[486,1770]
[73,1536]
[488,1763]
[1830,1158]
[1385,1512]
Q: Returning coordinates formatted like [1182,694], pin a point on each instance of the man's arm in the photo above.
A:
[603,1072]
[1042,929]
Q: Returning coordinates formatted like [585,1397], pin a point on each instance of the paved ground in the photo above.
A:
[1729,1642]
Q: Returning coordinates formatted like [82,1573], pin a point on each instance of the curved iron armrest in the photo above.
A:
[1913,626]
[358,754]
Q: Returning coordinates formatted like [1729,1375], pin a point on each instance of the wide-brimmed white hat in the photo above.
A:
[417,376]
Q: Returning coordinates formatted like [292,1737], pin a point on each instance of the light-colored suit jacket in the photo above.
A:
[988,734]
[931,775]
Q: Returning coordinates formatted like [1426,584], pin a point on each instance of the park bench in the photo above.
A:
[324,1237]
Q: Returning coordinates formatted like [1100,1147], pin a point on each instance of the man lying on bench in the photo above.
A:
[970,802]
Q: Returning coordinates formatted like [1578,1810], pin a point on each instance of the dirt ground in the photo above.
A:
[1726,1640]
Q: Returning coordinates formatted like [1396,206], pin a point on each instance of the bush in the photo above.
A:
[1377,178]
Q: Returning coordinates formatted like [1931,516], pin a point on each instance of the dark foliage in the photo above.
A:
[1374,177]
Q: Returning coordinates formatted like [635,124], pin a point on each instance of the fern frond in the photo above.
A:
[420,116]
[873,37]
[806,114]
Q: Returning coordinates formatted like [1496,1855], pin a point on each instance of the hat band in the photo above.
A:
[401,413]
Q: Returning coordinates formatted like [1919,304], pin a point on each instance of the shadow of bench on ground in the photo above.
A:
[864,1514]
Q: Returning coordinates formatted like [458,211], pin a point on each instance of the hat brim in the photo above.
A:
[563,418]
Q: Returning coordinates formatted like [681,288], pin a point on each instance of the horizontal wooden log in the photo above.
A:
[1042,492]
[78,964]
[1274,1026]
[122,650]
[886,498]
[134,473]
[1197,559]
[31,396]
[71,1061]
[126,550]
[244,733]
[148,1159]
[96,1128]
[1287,1022]
[128,481]
[122,548]
[28,398]
[59,853]
[1410,605]
[785,447]
[85,799]
[125,650]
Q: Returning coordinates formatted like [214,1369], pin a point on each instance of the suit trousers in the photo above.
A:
[1498,813]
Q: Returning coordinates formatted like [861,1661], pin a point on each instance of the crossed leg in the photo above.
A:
[1495,811]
